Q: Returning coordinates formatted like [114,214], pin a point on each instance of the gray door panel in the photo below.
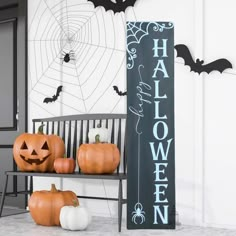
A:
[8,95]
[13,87]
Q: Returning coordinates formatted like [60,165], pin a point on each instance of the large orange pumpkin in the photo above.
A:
[98,158]
[45,205]
[37,152]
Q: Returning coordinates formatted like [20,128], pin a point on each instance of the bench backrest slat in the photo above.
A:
[69,140]
[58,128]
[112,131]
[34,127]
[64,131]
[75,140]
[47,128]
[52,130]
[81,132]
[87,130]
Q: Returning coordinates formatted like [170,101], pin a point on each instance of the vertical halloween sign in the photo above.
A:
[150,125]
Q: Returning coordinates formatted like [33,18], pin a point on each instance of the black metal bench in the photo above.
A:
[74,131]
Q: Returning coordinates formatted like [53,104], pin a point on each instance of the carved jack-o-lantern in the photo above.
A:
[37,152]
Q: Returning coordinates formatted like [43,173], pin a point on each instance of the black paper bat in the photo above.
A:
[115,7]
[54,97]
[198,67]
[119,92]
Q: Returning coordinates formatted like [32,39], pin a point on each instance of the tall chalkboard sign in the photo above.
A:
[150,125]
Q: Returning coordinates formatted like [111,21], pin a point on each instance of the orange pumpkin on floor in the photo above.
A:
[37,152]
[45,205]
[98,158]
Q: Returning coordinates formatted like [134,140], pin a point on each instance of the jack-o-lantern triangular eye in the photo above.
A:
[24,146]
[45,146]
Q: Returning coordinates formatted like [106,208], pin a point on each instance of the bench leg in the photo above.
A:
[3,195]
[120,202]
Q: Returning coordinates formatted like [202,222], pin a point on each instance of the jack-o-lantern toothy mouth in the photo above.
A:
[36,161]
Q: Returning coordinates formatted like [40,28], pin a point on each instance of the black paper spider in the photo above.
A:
[68,56]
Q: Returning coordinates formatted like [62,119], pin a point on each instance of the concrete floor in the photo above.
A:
[23,225]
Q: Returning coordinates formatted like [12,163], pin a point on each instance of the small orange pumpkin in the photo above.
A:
[45,205]
[37,152]
[98,158]
[64,165]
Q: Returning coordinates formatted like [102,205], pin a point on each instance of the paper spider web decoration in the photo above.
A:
[97,40]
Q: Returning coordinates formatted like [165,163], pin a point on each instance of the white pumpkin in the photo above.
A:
[74,217]
[102,132]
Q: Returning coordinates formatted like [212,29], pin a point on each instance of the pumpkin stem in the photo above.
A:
[75,203]
[40,129]
[53,188]
[97,138]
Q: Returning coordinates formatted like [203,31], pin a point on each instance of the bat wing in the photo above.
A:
[119,92]
[218,65]
[47,100]
[125,5]
[183,51]
[59,89]
[131,3]
[97,3]
[107,4]
[116,89]
[115,7]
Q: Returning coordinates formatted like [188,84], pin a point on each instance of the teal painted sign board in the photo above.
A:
[150,126]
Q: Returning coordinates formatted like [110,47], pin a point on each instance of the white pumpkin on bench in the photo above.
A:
[102,132]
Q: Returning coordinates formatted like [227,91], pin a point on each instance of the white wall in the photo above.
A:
[220,116]
[205,114]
